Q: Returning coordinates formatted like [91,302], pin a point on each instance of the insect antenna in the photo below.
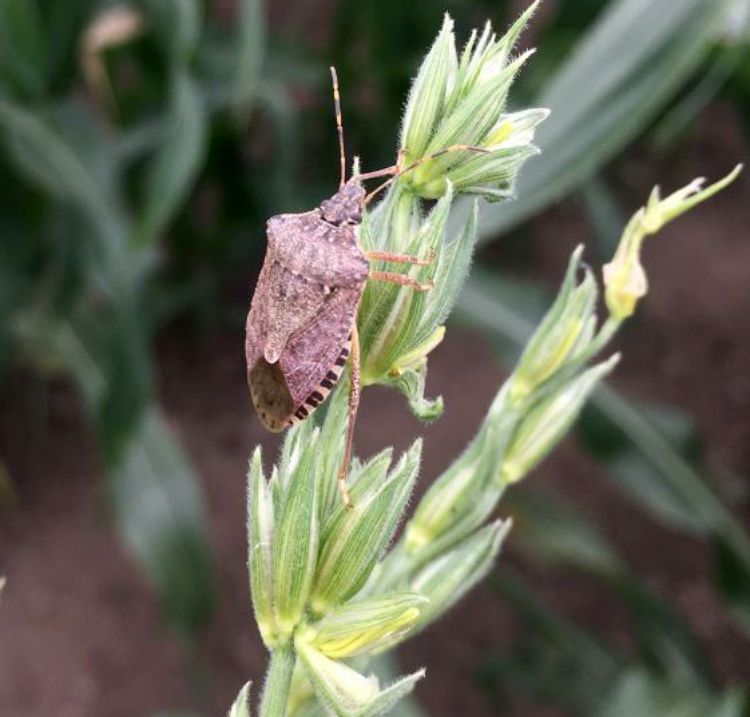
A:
[339,124]
[397,171]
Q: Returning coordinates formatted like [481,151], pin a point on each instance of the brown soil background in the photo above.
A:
[80,630]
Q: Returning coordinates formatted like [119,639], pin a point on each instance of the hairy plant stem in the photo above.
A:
[275,697]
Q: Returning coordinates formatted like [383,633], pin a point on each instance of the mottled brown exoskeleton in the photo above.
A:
[301,328]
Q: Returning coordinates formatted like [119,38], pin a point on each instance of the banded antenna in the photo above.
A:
[339,125]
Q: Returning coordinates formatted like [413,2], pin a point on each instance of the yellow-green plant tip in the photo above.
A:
[241,706]
[701,195]
[442,506]
[626,282]
[624,277]
[416,537]
[336,683]
[548,421]
[348,693]
[365,626]
[557,339]
[524,19]
[260,531]
[472,114]
[556,355]
[447,578]
[417,355]
[411,382]
[499,134]
[267,632]
[427,95]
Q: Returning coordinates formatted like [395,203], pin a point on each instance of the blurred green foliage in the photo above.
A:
[104,118]
[136,183]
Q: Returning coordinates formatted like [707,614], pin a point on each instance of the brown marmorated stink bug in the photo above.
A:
[301,328]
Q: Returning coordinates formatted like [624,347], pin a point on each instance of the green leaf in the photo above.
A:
[554,532]
[44,158]
[733,578]
[23,56]
[156,498]
[563,665]
[177,24]
[605,215]
[689,107]
[64,25]
[17,286]
[125,360]
[638,693]
[649,468]
[251,41]
[179,156]
[555,660]
[159,513]
[178,160]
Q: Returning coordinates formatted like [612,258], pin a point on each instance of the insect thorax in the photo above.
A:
[346,205]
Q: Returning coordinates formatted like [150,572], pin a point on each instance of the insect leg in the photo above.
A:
[419,162]
[391,171]
[402,279]
[400,258]
[354,392]
[387,172]
[446,150]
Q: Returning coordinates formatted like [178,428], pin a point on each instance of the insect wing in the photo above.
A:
[314,357]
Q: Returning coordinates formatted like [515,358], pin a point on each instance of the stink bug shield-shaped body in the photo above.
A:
[301,317]
[302,328]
